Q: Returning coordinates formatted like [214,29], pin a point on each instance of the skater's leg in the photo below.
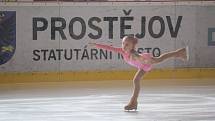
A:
[180,53]
[136,83]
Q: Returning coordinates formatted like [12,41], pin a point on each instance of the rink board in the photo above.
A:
[45,52]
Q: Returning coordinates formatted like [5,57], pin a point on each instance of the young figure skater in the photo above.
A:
[142,61]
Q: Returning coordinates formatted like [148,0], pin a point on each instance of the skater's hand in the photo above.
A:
[91,44]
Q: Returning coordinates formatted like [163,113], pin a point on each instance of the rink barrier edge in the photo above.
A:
[179,73]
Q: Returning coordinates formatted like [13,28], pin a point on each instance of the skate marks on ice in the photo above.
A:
[187,104]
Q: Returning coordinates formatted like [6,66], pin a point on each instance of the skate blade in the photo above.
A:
[132,110]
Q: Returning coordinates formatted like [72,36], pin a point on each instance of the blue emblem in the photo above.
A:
[7,35]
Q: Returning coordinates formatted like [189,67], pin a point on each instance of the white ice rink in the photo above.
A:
[104,101]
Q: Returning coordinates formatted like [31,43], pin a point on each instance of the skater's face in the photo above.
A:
[127,45]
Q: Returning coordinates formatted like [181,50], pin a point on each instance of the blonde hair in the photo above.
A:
[132,39]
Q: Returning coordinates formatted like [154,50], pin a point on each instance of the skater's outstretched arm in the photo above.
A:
[106,47]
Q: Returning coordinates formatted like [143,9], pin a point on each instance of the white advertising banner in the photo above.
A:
[45,37]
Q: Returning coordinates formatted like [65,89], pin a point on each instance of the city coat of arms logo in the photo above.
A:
[7,35]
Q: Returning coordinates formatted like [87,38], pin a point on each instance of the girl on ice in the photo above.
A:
[143,62]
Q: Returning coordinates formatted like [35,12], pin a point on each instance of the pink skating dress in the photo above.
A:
[146,66]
